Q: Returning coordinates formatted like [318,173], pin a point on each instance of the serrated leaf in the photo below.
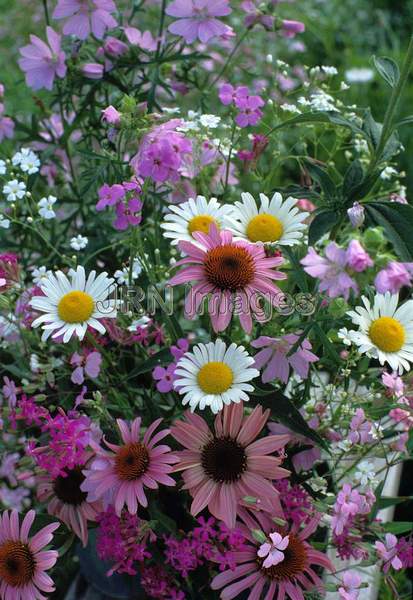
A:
[388,69]
[322,223]
[283,410]
[397,221]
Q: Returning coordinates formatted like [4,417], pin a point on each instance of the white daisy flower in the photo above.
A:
[194,215]
[275,221]
[5,223]
[45,206]
[14,190]
[213,375]
[79,242]
[385,331]
[70,306]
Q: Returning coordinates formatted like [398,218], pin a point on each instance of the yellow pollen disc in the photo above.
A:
[76,307]
[264,228]
[387,334]
[200,223]
[215,378]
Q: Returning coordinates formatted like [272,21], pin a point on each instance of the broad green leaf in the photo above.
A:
[162,357]
[371,128]
[323,178]
[385,502]
[397,221]
[398,527]
[388,69]
[352,179]
[284,411]
[331,117]
[323,222]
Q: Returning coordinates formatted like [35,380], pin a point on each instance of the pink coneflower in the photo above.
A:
[236,274]
[23,564]
[224,466]
[67,501]
[119,476]
[286,579]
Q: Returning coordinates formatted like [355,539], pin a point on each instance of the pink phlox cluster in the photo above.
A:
[163,153]
[157,583]
[349,520]
[126,202]
[360,429]
[164,376]
[295,501]
[69,436]
[123,540]
[248,105]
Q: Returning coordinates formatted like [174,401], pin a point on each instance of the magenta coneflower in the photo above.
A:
[67,501]
[119,476]
[234,273]
[23,563]
[224,466]
[290,571]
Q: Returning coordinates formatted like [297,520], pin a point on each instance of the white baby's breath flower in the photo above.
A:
[122,275]
[79,242]
[40,274]
[45,206]
[29,163]
[388,173]
[209,121]
[292,108]
[14,190]
[365,473]
[4,223]
[3,167]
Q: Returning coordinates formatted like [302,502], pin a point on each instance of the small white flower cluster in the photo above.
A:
[27,161]
[196,121]
[122,275]
[79,242]
[323,70]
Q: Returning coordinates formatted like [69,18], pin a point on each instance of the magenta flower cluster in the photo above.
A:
[248,105]
[163,153]
[125,198]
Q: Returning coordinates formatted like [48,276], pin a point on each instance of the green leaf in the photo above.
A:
[392,501]
[397,221]
[406,121]
[398,527]
[332,117]
[391,148]
[388,69]
[283,410]
[162,357]
[323,222]
[371,129]
[352,179]
[323,178]
[328,346]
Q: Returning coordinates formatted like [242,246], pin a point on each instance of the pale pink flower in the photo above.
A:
[86,16]
[23,562]
[6,125]
[111,115]
[388,552]
[272,551]
[393,277]
[357,258]
[197,19]
[274,357]
[331,271]
[42,62]
[350,586]
[88,364]
[144,40]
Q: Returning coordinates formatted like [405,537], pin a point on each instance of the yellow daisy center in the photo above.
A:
[387,334]
[200,223]
[215,378]
[76,307]
[264,228]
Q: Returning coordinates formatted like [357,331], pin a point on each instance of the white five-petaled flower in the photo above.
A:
[72,305]
[274,222]
[40,274]
[273,552]
[14,190]
[385,330]
[45,206]
[27,160]
[194,215]
[5,223]
[79,242]
[365,473]
[122,275]
[214,375]
[3,167]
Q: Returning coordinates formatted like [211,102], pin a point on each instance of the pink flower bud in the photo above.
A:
[356,215]
[291,28]
[93,70]
[111,115]
[115,47]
